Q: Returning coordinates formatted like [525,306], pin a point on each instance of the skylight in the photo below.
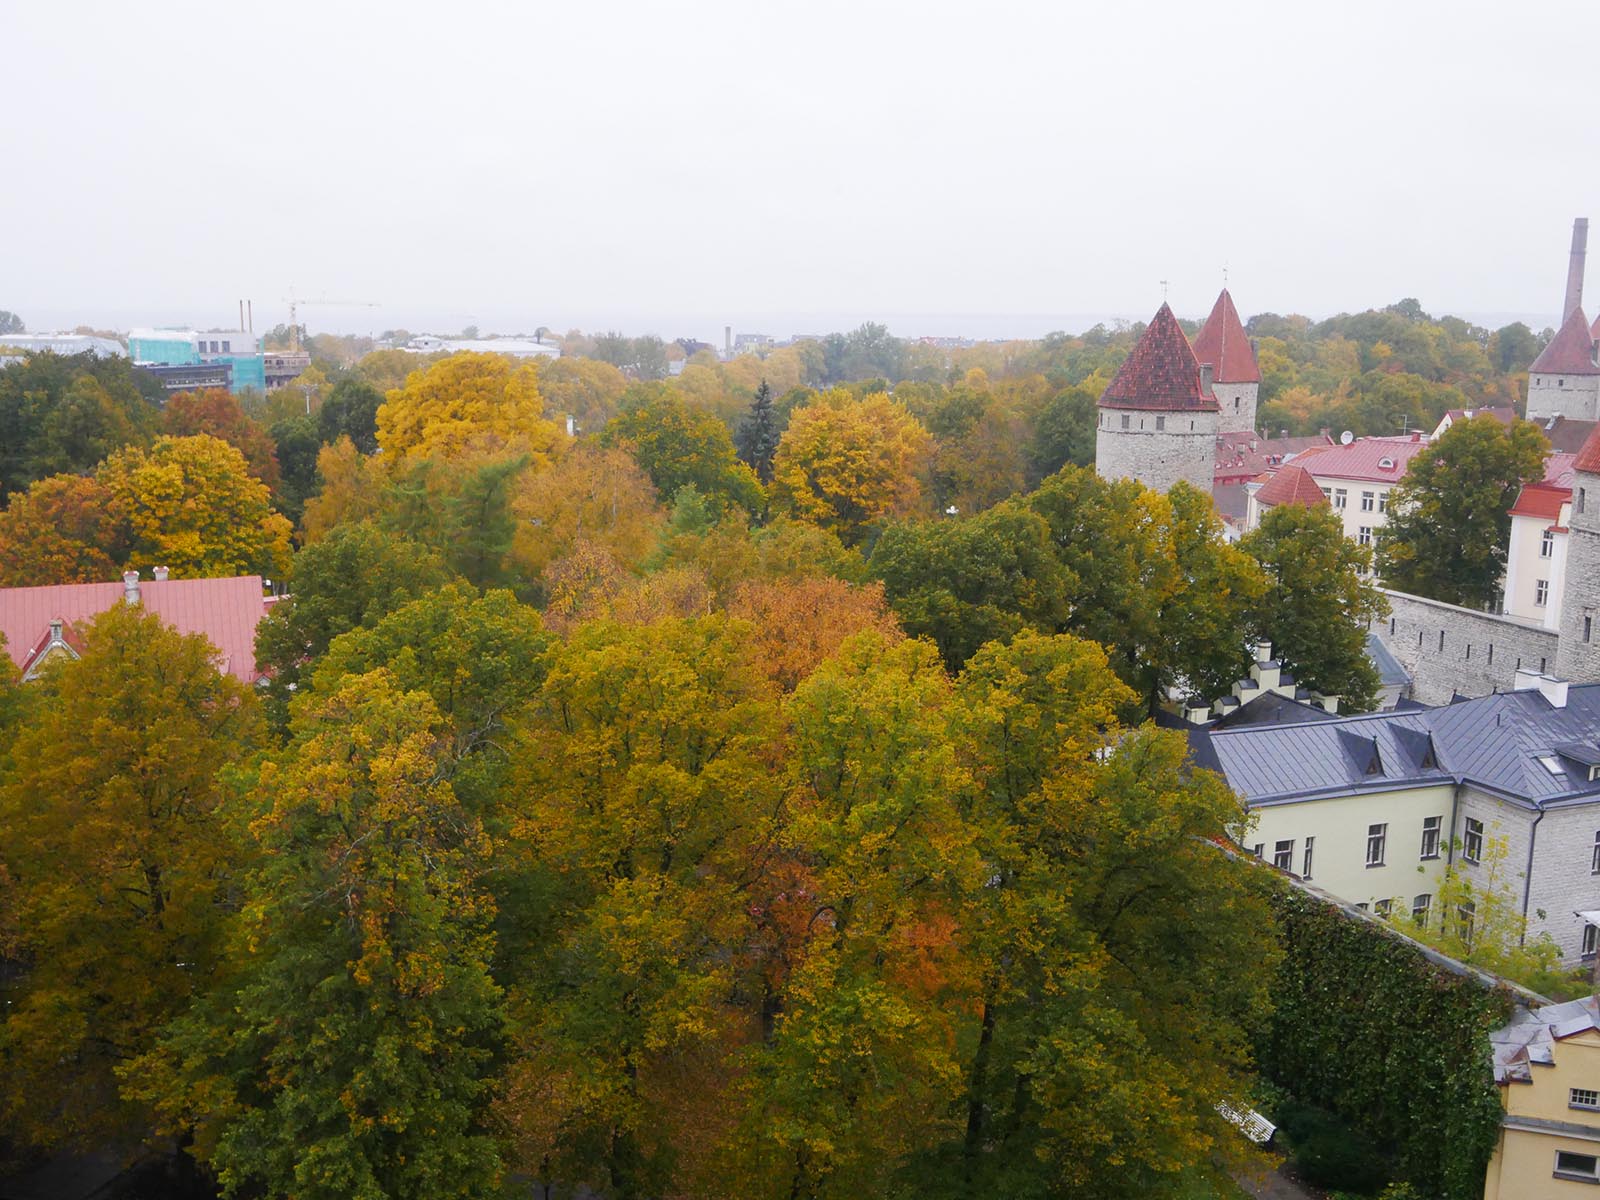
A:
[1551,763]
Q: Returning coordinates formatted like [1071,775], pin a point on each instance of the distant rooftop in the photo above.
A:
[1372,459]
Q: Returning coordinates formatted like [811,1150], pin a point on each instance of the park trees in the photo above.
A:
[1449,518]
[1318,602]
[677,445]
[216,411]
[847,463]
[58,531]
[112,833]
[593,494]
[758,433]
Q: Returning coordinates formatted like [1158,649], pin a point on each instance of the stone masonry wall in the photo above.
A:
[1579,659]
[1578,398]
[1563,883]
[1185,449]
[1449,650]
[1238,404]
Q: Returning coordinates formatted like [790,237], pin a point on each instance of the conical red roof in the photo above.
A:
[1571,351]
[1588,460]
[1223,344]
[1291,485]
[1161,373]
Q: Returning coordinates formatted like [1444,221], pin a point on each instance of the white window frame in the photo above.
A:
[1283,854]
[1377,843]
[1430,836]
[1364,535]
[1541,592]
[1594,855]
[1472,841]
[1368,499]
[1305,869]
[1341,497]
[1421,906]
[1585,1098]
[1590,943]
[1568,1169]
[1547,545]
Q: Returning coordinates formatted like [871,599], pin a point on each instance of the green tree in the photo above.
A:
[1450,517]
[353,578]
[1318,602]
[758,433]
[351,410]
[677,445]
[348,1054]
[1064,433]
[11,323]
[112,834]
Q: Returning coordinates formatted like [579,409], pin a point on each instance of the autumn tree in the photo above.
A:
[477,402]
[83,427]
[594,494]
[353,487]
[348,1051]
[191,504]
[351,410]
[216,411]
[847,464]
[58,531]
[799,622]
[1064,433]
[112,834]
[677,446]
[645,767]
[1450,517]
[585,389]
[1318,602]
[349,580]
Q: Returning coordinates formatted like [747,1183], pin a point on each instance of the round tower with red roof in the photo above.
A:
[1564,381]
[1235,376]
[1157,422]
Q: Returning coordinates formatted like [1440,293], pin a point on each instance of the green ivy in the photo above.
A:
[1369,1029]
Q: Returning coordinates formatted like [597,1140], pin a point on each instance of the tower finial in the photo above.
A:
[1224,276]
[1163,291]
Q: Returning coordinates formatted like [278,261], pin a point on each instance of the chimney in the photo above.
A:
[130,587]
[727,340]
[160,574]
[1207,372]
[1551,688]
[1263,652]
[1580,244]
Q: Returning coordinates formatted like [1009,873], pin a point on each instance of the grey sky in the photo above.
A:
[983,168]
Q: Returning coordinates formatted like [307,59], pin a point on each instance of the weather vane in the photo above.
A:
[1163,289]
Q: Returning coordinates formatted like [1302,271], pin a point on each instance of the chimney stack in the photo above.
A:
[160,574]
[727,341]
[1207,373]
[1580,245]
[130,587]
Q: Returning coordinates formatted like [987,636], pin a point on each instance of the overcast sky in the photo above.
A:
[981,168]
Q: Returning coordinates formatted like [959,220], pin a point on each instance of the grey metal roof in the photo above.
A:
[1528,1039]
[1506,743]
[1390,672]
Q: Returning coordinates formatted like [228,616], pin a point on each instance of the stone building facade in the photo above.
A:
[1450,651]
[1157,421]
[1579,656]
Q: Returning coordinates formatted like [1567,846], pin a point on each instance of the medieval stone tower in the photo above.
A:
[1157,422]
[1235,377]
[1564,381]
[1578,650]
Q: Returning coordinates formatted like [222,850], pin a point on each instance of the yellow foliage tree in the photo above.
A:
[191,504]
[468,402]
[846,463]
[595,494]
[57,531]
[352,490]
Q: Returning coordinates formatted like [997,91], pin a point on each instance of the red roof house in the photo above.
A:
[1371,459]
[1291,485]
[39,621]
[1222,343]
[1161,373]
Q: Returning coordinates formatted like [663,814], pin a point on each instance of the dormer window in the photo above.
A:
[1386,464]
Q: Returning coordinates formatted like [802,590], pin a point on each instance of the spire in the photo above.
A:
[1222,343]
[1580,244]
[1571,351]
[1161,373]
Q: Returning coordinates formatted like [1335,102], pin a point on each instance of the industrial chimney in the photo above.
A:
[1580,244]
[727,341]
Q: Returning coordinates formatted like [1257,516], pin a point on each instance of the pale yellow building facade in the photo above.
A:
[1547,1066]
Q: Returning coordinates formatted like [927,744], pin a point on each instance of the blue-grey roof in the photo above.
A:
[1390,672]
[1506,743]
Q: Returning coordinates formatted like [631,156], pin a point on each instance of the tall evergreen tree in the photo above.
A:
[757,438]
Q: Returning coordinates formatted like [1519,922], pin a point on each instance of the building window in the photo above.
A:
[1541,591]
[1341,497]
[1161,424]
[1383,907]
[1594,855]
[1363,906]
[1591,940]
[1305,867]
[1367,500]
[1547,545]
[1577,1166]
[1588,625]
[1391,626]
[1430,836]
[1283,855]
[1364,535]
[1472,851]
[1377,835]
[1441,640]
[1419,909]
[1465,912]
[227,347]
[1259,850]
[1580,499]
[1583,1097]
[1383,501]
[1126,421]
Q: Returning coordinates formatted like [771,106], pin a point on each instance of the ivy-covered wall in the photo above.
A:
[1368,1028]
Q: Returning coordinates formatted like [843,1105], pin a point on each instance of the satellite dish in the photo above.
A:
[1346,438]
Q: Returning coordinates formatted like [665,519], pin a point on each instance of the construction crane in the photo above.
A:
[297,302]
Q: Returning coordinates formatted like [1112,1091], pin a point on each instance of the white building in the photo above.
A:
[1536,556]
[64,343]
[515,347]
[1358,478]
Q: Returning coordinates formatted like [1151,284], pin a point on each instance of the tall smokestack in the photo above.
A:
[250,311]
[727,341]
[1580,244]
[241,316]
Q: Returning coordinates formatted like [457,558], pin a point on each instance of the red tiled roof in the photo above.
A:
[1243,456]
[1362,459]
[1558,470]
[226,611]
[1541,500]
[1222,343]
[1588,460]
[1291,485]
[1161,373]
[1571,351]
